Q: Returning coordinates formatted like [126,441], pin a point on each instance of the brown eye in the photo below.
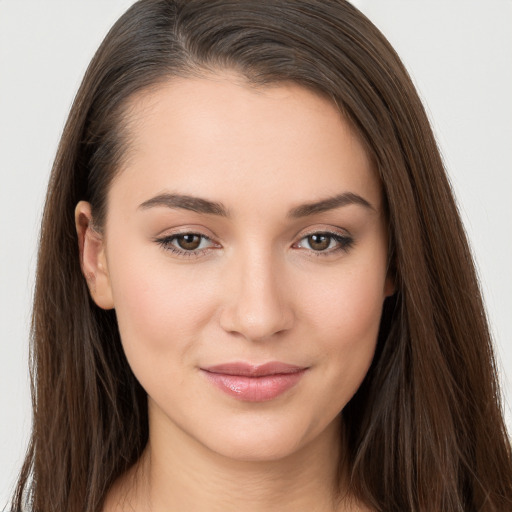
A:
[319,242]
[188,242]
[324,243]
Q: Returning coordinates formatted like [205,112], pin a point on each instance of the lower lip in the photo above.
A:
[255,389]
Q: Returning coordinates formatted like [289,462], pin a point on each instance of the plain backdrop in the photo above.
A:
[459,53]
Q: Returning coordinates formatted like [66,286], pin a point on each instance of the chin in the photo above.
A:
[258,450]
[270,441]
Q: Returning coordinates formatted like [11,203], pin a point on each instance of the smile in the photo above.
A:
[252,383]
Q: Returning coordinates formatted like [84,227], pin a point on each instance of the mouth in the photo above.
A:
[254,383]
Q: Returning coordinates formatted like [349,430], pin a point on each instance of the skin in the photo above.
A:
[260,290]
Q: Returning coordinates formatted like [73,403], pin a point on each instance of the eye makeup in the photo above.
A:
[187,244]
[325,243]
[319,243]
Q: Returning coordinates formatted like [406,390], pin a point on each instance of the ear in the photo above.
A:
[93,259]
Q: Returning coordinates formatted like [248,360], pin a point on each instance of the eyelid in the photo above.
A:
[188,229]
[328,230]
[331,230]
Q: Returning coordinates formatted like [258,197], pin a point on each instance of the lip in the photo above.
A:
[254,383]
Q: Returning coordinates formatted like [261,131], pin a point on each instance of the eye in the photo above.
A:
[187,244]
[188,241]
[324,242]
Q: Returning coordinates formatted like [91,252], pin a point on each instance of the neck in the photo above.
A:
[178,473]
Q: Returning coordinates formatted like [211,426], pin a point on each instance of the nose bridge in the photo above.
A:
[258,303]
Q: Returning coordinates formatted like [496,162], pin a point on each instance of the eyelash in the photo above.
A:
[167,243]
[345,243]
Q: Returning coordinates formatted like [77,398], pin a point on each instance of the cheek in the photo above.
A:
[349,303]
[346,316]
[160,308]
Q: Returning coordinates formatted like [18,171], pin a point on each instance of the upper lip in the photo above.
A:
[254,370]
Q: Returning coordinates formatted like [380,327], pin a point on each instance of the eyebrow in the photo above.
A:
[330,203]
[200,205]
[184,202]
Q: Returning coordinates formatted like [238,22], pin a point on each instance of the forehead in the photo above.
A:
[219,137]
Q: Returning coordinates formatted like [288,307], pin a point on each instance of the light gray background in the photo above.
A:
[459,53]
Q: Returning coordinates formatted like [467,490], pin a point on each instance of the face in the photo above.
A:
[245,254]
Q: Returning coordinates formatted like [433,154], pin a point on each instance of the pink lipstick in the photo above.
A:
[254,383]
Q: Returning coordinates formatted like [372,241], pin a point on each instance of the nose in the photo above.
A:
[258,301]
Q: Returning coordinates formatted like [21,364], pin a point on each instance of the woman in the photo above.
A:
[254,291]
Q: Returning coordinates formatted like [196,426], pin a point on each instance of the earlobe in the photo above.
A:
[93,261]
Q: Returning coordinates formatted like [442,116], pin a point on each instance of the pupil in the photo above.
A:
[319,242]
[189,242]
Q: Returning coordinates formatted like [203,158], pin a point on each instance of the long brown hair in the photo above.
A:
[425,429]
